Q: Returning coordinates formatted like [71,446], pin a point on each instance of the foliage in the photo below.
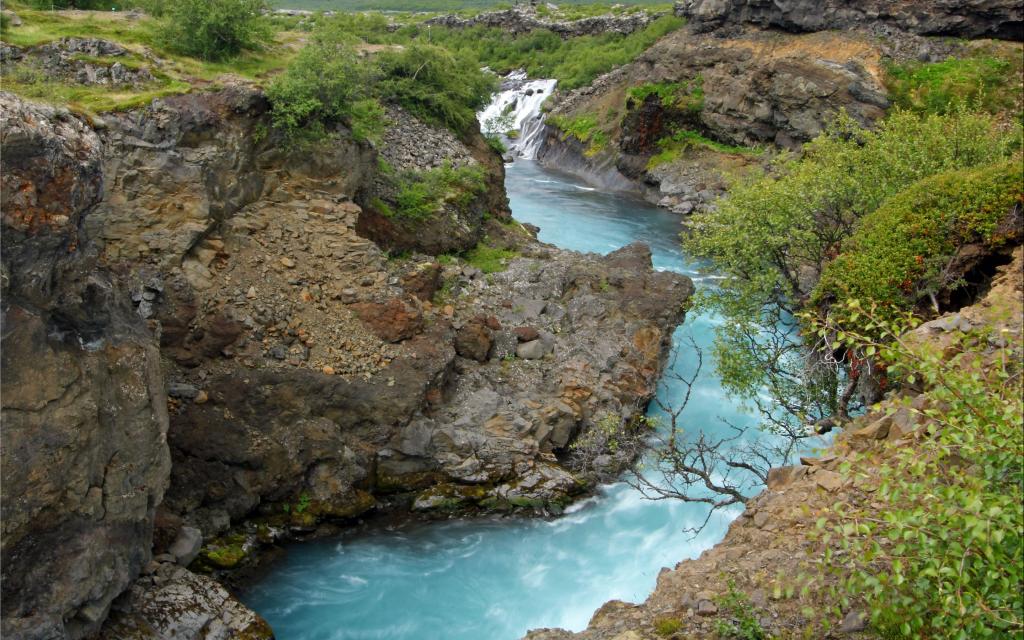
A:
[774,233]
[686,96]
[325,84]
[742,620]
[942,558]
[421,194]
[436,85]
[667,626]
[672,147]
[989,80]
[215,29]
[489,259]
[903,250]
[585,128]
[574,62]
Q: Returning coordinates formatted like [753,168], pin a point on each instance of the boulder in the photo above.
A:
[391,321]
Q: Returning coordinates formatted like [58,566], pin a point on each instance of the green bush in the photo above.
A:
[325,84]
[585,128]
[215,29]
[989,81]
[421,194]
[436,85]
[937,550]
[686,96]
[898,253]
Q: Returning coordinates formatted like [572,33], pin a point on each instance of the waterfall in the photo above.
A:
[516,108]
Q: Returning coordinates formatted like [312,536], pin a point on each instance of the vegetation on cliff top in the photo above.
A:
[943,557]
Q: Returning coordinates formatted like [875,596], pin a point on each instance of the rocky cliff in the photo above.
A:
[971,19]
[745,79]
[769,550]
[523,19]
[84,456]
[207,347]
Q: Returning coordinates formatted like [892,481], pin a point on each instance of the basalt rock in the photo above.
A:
[971,19]
[84,452]
[524,19]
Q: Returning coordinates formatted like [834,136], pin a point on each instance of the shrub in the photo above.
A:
[989,81]
[899,252]
[215,29]
[584,128]
[435,85]
[326,83]
[421,194]
[686,96]
[936,550]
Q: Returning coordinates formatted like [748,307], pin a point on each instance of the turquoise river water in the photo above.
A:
[494,579]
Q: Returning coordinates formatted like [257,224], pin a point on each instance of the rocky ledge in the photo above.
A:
[768,548]
[204,352]
[523,19]
[1002,19]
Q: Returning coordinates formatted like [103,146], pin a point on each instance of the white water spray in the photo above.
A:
[517,108]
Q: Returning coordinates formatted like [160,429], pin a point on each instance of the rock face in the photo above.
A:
[411,148]
[84,455]
[971,19]
[302,376]
[523,19]
[768,546]
[755,89]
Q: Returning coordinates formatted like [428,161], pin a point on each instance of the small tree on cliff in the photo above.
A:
[215,29]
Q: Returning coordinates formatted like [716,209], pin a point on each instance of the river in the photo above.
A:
[494,579]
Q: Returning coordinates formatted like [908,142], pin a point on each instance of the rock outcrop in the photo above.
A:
[1002,19]
[84,451]
[203,352]
[752,90]
[768,548]
[524,19]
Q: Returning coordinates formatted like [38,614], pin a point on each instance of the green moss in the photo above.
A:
[490,259]
[674,146]
[386,483]
[223,553]
[667,626]
[685,96]
[584,128]
[898,253]
[453,497]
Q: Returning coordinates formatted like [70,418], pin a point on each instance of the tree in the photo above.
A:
[775,233]
[435,85]
[216,29]
[327,83]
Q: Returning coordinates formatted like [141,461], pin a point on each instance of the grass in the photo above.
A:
[674,146]
[489,259]
[179,74]
[987,76]
[585,128]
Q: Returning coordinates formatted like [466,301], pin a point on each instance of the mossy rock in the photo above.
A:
[450,497]
[386,483]
[223,553]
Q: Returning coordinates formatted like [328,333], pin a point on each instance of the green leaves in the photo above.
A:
[215,29]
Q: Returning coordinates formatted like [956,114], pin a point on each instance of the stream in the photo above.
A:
[497,578]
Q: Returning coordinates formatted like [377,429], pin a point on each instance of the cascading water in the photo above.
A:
[517,108]
[497,578]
